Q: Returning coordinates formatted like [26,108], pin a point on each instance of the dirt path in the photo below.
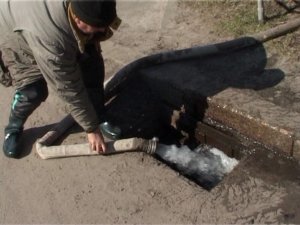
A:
[137,188]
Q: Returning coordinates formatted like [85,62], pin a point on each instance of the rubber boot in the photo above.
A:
[13,132]
[110,131]
[26,100]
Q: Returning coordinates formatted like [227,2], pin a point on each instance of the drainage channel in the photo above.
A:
[217,155]
[230,145]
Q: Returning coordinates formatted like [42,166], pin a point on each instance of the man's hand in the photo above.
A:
[96,141]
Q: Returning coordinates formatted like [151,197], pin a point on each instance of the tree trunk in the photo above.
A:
[277,31]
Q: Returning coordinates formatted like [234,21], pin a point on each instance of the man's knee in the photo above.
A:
[35,92]
[28,98]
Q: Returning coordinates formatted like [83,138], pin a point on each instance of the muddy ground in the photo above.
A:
[135,187]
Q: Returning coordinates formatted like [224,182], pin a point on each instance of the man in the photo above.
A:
[56,43]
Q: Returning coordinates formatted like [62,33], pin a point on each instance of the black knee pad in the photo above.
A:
[28,98]
[35,92]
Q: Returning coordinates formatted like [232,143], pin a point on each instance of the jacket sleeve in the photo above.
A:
[61,70]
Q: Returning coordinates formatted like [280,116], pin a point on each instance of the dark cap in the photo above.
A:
[97,13]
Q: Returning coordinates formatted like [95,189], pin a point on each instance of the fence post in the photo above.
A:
[260,11]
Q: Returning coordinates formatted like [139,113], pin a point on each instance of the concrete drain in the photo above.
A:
[205,165]
[209,162]
[230,145]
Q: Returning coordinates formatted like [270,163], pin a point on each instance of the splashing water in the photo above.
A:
[206,166]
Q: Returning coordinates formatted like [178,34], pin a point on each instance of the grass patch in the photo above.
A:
[242,19]
[241,22]
[238,17]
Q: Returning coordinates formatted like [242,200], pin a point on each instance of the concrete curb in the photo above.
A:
[263,121]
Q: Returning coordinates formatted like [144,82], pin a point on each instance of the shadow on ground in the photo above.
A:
[30,136]
[165,99]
